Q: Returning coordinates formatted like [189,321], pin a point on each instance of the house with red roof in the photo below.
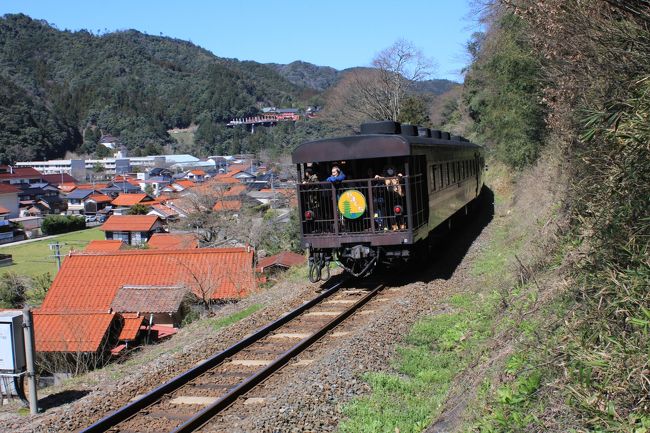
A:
[128,200]
[99,299]
[58,179]
[132,229]
[101,246]
[14,175]
[9,200]
[227,206]
[165,212]
[179,186]
[195,175]
[173,241]
[95,203]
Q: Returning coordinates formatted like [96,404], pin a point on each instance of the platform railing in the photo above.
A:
[391,204]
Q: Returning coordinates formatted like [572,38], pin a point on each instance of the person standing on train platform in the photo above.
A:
[337,175]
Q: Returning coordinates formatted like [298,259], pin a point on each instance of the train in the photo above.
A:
[391,187]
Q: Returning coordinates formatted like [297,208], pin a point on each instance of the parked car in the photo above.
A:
[90,218]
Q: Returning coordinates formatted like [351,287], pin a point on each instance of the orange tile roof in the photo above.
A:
[185,183]
[92,185]
[88,282]
[221,205]
[236,168]
[4,210]
[131,199]
[224,178]
[129,223]
[67,187]
[131,328]
[198,172]
[235,190]
[286,259]
[100,198]
[173,241]
[104,245]
[70,332]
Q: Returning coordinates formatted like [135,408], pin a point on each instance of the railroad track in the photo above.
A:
[191,399]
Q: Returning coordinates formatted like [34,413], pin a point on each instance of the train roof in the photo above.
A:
[364,146]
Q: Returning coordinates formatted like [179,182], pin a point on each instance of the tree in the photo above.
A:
[138,209]
[399,66]
[12,290]
[102,151]
[98,167]
[415,111]
[379,92]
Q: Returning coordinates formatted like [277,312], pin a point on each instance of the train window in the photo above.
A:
[444,175]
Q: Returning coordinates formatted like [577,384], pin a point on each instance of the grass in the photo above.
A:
[439,348]
[183,136]
[235,317]
[36,258]
[436,350]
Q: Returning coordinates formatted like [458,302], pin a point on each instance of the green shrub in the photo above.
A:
[56,224]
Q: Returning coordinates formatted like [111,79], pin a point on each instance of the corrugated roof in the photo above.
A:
[131,328]
[70,332]
[104,245]
[129,223]
[88,283]
[149,299]
[173,241]
[131,199]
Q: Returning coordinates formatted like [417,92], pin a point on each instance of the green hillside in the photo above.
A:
[63,85]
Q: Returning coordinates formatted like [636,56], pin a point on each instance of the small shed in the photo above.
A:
[279,262]
[159,305]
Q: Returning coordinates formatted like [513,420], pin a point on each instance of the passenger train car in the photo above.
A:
[401,183]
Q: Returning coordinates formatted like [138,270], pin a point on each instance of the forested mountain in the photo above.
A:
[324,77]
[58,84]
[307,74]
[435,87]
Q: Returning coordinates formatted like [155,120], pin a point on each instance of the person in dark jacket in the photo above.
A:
[337,175]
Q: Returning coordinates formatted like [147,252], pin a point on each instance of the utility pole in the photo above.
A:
[28,326]
[56,247]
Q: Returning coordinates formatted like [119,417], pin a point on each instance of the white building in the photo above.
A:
[78,168]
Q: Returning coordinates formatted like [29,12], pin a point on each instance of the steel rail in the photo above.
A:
[132,408]
[202,417]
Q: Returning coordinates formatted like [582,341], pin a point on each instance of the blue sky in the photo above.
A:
[333,33]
